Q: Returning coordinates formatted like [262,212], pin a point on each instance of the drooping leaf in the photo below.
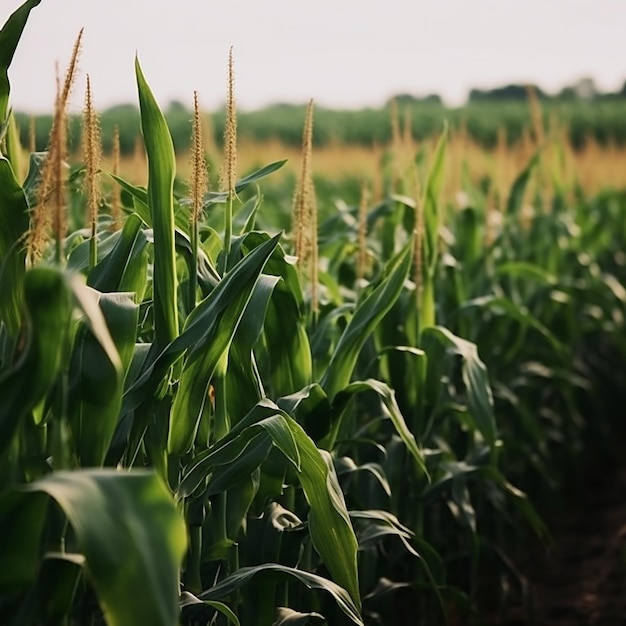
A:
[289,617]
[131,536]
[331,531]
[476,380]
[392,410]
[243,575]
[98,378]
[221,196]
[194,610]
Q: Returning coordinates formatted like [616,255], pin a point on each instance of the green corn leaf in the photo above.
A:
[214,197]
[287,357]
[312,581]
[131,536]
[245,219]
[161,172]
[9,38]
[139,194]
[367,315]
[244,383]
[519,498]
[265,419]
[194,610]
[200,324]
[331,532]
[57,584]
[48,304]
[242,465]
[311,408]
[199,368]
[13,146]
[346,466]
[526,270]
[430,202]
[476,380]
[33,177]
[21,524]
[14,223]
[208,276]
[284,354]
[12,270]
[505,306]
[449,472]
[257,175]
[516,196]
[392,410]
[125,267]
[289,617]
[372,525]
[96,392]
[88,300]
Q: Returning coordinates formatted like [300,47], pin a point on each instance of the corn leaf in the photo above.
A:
[430,201]
[132,538]
[125,267]
[289,617]
[194,610]
[367,315]
[387,395]
[200,324]
[331,532]
[312,581]
[214,197]
[9,38]
[244,384]
[21,524]
[96,392]
[14,223]
[57,584]
[516,196]
[265,424]
[199,368]
[476,380]
[161,172]
[48,303]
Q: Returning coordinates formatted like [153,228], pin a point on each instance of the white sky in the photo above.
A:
[342,53]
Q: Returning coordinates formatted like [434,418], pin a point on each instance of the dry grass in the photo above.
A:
[593,168]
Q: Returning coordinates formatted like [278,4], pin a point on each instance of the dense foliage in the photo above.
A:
[197,426]
[599,119]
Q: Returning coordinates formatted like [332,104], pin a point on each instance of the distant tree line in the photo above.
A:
[582,109]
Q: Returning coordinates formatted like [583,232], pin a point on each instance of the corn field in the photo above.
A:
[217,410]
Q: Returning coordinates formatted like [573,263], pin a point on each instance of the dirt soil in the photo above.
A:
[581,579]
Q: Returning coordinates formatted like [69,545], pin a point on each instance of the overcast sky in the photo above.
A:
[342,53]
